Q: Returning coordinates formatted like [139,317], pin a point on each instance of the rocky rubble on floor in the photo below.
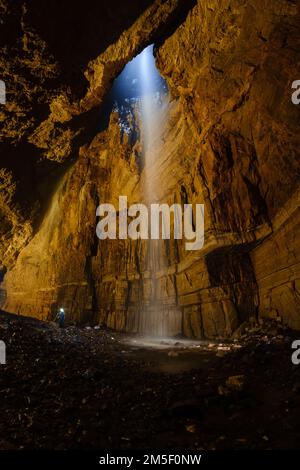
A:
[84,388]
[259,331]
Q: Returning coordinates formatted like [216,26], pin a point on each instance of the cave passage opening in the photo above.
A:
[140,80]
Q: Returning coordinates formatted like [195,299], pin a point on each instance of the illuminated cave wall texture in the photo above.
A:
[229,139]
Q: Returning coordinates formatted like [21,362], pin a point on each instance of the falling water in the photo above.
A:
[156,318]
[141,88]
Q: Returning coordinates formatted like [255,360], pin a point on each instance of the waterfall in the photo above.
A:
[156,318]
[141,90]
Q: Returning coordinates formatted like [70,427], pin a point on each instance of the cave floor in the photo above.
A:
[86,388]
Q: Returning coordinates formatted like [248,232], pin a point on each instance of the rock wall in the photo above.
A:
[52,106]
[230,141]
[276,265]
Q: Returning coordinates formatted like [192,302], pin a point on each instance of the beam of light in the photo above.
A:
[151,118]
[147,66]
[156,318]
[142,91]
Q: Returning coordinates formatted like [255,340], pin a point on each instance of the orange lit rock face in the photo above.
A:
[231,141]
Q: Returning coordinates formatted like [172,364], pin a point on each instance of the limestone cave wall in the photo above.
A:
[230,140]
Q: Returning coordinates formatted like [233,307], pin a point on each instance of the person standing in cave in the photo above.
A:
[61,317]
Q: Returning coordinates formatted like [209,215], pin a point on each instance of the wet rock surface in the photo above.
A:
[91,388]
